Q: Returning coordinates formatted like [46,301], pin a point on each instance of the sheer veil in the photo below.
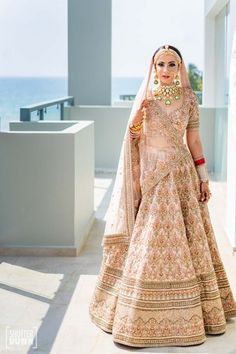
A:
[121,213]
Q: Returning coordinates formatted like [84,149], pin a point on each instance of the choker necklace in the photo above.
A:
[167,93]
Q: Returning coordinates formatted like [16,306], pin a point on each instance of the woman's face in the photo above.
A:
[166,67]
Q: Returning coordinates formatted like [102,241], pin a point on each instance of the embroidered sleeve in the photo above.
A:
[193,122]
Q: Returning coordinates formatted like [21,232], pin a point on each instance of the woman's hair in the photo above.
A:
[171,47]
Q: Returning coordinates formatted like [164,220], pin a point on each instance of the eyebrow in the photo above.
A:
[172,61]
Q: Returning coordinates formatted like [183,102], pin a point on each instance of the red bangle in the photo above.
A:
[199,161]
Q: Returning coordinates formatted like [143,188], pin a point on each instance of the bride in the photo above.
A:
[162,281]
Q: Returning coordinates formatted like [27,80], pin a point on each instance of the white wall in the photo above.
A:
[217,49]
[231,162]
[47,186]
[220,42]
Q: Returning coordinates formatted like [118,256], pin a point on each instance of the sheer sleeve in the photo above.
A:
[193,122]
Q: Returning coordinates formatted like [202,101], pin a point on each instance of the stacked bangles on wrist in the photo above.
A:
[200,164]
[135,128]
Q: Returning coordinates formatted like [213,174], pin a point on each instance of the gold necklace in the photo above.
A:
[167,93]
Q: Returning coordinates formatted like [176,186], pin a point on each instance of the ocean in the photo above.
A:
[16,92]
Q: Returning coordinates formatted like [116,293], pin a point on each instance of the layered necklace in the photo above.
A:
[167,93]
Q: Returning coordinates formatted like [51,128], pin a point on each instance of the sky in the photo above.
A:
[33,35]
[141,26]
[33,38]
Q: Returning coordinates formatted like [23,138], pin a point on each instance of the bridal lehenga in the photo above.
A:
[162,281]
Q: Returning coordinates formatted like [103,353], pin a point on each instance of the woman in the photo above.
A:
[162,281]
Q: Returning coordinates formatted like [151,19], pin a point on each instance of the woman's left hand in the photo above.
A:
[205,192]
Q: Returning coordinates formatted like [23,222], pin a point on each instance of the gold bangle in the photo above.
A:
[136,127]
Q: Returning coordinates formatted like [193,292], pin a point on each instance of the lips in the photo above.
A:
[165,76]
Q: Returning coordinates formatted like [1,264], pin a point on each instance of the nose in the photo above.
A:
[165,69]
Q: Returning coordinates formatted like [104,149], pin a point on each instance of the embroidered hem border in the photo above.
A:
[110,288]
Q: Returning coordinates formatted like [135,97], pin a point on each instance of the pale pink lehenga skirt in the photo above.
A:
[168,286]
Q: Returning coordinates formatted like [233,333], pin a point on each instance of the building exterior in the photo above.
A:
[219,91]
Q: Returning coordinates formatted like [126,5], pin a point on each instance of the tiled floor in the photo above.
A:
[51,294]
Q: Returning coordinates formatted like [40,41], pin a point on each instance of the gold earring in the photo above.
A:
[156,79]
[177,82]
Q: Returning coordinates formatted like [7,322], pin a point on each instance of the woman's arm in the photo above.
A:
[195,146]
[135,126]
[194,143]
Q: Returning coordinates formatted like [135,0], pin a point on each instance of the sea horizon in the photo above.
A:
[18,91]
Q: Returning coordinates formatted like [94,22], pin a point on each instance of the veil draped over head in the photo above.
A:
[122,210]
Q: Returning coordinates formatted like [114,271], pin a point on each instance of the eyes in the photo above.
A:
[171,65]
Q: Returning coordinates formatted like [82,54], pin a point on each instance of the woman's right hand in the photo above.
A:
[139,116]
[138,119]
